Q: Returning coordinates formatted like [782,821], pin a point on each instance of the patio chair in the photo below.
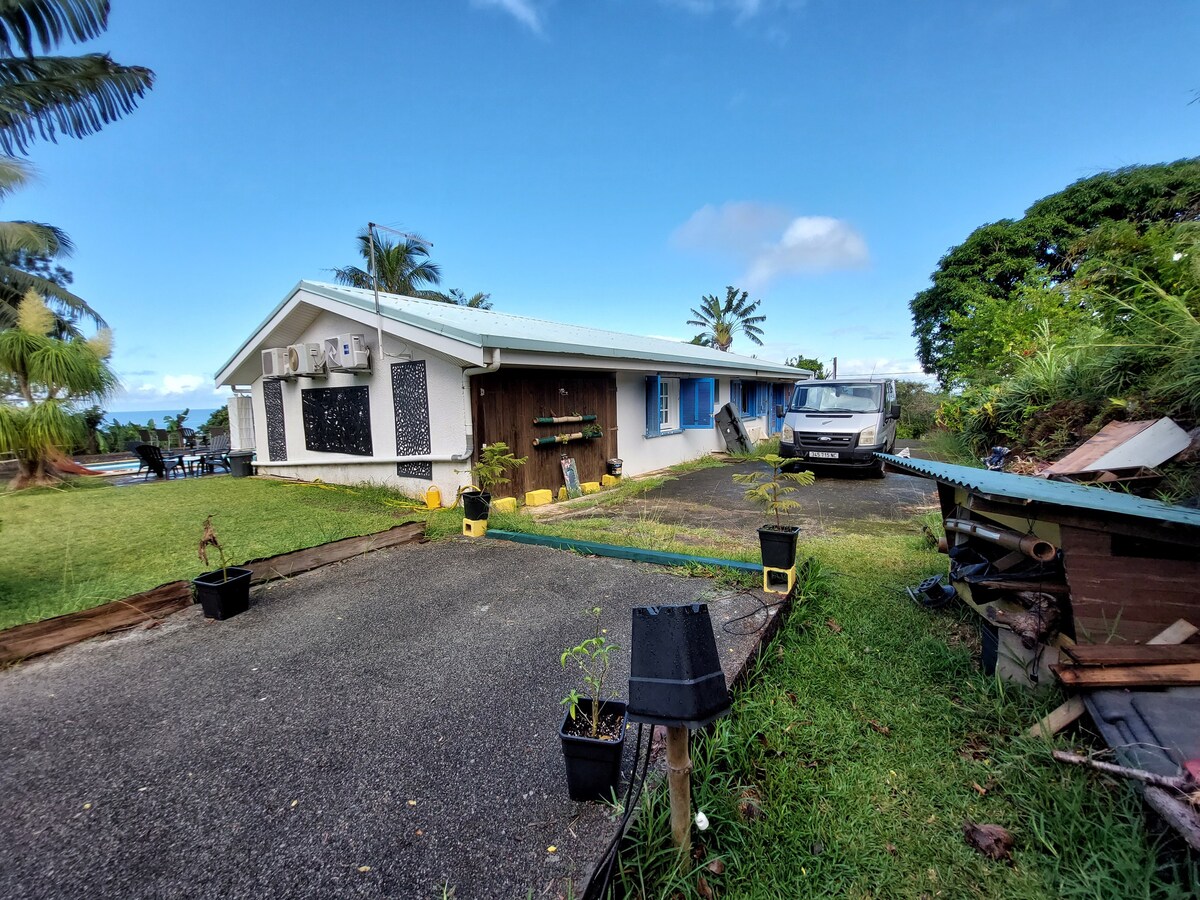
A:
[217,453]
[157,463]
[187,437]
[162,438]
[148,437]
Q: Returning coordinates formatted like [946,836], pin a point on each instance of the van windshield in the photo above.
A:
[843,398]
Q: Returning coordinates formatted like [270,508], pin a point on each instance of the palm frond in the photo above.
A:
[72,95]
[49,22]
[34,238]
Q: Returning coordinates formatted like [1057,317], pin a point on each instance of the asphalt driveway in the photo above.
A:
[384,727]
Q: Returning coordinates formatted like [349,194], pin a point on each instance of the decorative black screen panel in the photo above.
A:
[276,436]
[337,420]
[410,398]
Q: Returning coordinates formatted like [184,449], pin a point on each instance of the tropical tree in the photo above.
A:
[28,255]
[1055,245]
[457,297]
[402,267]
[721,321]
[50,376]
[44,96]
[811,363]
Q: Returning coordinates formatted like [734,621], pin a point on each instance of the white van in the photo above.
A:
[840,422]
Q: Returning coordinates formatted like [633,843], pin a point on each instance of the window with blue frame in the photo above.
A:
[678,404]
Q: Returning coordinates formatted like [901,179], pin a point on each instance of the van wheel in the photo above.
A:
[876,469]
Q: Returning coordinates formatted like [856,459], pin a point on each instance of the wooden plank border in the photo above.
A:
[48,635]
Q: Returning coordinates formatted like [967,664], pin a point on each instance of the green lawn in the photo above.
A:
[70,549]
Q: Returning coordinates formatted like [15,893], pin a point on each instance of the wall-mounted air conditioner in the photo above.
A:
[275,363]
[306,359]
[347,353]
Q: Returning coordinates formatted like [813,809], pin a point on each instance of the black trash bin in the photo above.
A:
[240,463]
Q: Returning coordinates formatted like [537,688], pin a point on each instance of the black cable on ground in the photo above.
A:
[608,859]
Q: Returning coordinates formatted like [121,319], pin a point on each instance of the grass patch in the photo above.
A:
[850,761]
[644,532]
[944,445]
[83,545]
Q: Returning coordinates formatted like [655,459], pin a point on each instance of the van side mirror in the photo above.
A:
[894,411]
[779,410]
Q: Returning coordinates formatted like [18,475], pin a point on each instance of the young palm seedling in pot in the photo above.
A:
[772,489]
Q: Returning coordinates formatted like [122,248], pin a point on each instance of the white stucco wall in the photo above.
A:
[449,419]
[642,454]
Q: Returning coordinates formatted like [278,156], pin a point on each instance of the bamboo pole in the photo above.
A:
[679,779]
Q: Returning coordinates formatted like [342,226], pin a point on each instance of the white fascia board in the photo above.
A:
[686,368]
[244,366]
[229,374]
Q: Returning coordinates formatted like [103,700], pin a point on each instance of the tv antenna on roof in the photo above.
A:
[409,238]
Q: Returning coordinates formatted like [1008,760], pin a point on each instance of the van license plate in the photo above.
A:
[821,454]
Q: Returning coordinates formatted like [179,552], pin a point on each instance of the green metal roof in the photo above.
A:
[1028,489]
[492,328]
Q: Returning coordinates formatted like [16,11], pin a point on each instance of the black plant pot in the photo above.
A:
[593,765]
[223,596]
[476,504]
[778,544]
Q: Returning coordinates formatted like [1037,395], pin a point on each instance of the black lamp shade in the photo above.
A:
[675,669]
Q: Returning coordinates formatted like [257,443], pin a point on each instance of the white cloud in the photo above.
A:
[167,392]
[527,12]
[743,10]
[772,243]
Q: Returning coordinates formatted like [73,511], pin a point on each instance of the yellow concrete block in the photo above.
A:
[590,487]
[475,528]
[779,581]
[610,480]
[505,504]
[562,493]
[538,498]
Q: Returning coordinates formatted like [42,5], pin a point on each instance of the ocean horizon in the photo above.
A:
[196,416]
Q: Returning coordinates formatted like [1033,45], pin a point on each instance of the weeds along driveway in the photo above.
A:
[836,503]
[378,728]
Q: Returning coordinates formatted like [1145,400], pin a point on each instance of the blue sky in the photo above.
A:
[601,162]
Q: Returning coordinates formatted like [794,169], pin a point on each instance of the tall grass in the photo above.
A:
[864,740]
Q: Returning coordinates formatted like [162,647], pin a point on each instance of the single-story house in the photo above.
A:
[336,386]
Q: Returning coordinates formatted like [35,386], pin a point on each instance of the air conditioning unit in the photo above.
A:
[275,363]
[306,359]
[347,352]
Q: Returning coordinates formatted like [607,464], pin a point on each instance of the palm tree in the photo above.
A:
[721,321]
[403,268]
[43,96]
[49,376]
[27,248]
[478,300]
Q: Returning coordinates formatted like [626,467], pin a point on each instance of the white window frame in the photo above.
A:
[668,405]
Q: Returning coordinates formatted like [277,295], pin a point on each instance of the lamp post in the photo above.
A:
[676,681]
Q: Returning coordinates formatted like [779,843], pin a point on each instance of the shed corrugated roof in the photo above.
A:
[492,328]
[1028,489]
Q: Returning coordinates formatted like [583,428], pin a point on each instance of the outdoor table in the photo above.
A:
[190,464]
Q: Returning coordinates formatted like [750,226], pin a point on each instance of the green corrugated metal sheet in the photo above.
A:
[1027,489]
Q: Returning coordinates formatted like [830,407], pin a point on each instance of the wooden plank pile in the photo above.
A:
[1165,662]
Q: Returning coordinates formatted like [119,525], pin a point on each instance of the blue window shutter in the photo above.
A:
[697,407]
[687,403]
[735,395]
[764,398]
[652,424]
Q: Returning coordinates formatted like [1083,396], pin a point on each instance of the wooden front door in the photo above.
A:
[505,403]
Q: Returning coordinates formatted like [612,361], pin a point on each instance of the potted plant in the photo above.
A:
[593,726]
[223,592]
[494,461]
[771,488]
